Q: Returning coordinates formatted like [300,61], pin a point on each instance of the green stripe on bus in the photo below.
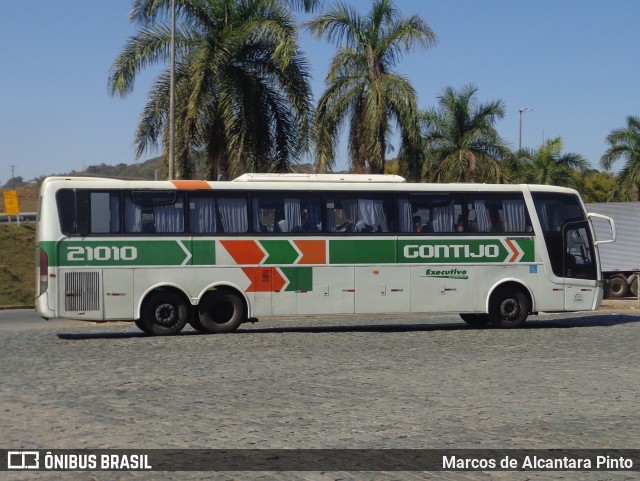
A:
[134,252]
[529,249]
[300,278]
[129,252]
[465,251]
[279,252]
[204,252]
[372,251]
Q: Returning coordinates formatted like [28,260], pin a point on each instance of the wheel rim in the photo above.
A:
[510,310]
[166,314]
[616,287]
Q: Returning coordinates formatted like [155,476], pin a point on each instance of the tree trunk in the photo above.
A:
[217,153]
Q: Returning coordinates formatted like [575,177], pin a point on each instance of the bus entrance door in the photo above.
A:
[579,267]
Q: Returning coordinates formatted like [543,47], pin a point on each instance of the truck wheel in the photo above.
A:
[618,287]
[508,308]
[222,311]
[476,320]
[634,287]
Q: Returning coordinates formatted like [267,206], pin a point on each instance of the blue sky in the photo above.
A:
[574,62]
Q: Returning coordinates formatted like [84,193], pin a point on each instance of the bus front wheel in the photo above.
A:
[222,311]
[164,313]
[509,308]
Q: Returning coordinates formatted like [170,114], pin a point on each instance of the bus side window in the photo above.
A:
[438,212]
[105,212]
[497,213]
[154,212]
[360,213]
[288,212]
[203,218]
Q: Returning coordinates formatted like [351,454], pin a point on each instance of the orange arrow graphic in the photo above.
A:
[514,249]
[244,251]
[313,251]
[264,279]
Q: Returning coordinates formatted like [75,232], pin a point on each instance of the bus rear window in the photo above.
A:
[83,212]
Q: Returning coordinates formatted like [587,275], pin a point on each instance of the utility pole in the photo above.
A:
[172,94]
[13,182]
[524,109]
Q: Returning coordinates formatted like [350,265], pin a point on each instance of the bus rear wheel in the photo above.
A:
[197,325]
[164,314]
[221,311]
[475,320]
[508,308]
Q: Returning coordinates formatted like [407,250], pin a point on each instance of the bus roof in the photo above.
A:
[328,182]
[320,178]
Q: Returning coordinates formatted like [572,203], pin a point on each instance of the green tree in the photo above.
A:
[242,91]
[460,139]
[595,186]
[624,143]
[362,87]
[548,165]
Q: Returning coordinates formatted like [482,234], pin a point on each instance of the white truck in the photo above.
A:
[621,259]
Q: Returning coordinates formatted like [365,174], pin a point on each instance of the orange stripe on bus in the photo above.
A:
[244,251]
[264,279]
[191,184]
[313,251]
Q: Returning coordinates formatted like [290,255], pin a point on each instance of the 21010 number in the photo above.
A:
[102,253]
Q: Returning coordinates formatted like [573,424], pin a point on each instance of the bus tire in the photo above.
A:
[197,325]
[164,313]
[617,287]
[508,308]
[475,320]
[142,326]
[221,311]
[633,288]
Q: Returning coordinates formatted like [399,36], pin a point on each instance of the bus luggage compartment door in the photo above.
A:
[118,294]
[383,289]
[96,294]
[80,294]
[332,292]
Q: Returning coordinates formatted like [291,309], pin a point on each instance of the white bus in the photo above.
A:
[217,254]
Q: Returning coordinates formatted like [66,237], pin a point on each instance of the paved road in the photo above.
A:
[406,381]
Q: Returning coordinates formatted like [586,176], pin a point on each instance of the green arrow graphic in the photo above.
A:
[279,252]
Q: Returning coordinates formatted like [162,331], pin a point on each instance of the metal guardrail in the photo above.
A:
[23,216]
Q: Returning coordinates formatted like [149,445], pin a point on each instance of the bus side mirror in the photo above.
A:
[612,227]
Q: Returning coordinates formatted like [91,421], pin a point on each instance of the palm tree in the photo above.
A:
[242,90]
[460,139]
[625,143]
[361,84]
[547,165]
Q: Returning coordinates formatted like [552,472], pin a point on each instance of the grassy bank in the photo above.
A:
[17,264]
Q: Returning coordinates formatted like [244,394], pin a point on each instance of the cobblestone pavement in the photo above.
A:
[403,381]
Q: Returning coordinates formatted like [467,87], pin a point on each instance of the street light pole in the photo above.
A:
[524,109]
[172,94]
